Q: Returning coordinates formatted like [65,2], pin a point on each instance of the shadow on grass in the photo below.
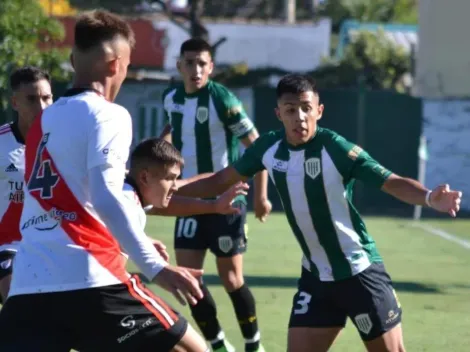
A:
[283,282]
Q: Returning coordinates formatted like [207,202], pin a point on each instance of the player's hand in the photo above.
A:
[161,249]
[262,207]
[182,282]
[445,200]
[224,204]
[166,133]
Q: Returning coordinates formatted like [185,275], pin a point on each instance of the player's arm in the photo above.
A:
[361,166]
[260,180]
[108,149]
[184,206]
[242,170]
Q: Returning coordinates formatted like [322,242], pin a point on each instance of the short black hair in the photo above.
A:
[95,27]
[27,75]
[195,44]
[296,84]
[155,151]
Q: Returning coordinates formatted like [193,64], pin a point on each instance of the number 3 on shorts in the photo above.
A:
[302,301]
[186,228]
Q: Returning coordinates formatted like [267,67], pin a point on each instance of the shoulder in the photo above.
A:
[169,92]
[131,195]
[266,141]
[220,92]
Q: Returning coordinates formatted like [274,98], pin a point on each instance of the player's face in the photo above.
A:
[299,114]
[195,68]
[30,99]
[121,63]
[160,185]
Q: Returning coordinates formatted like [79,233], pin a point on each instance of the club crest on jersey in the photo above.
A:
[313,167]
[202,114]
[225,243]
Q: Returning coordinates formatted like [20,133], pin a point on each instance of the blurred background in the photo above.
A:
[393,74]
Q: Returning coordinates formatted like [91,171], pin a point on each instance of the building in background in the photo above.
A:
[443,81]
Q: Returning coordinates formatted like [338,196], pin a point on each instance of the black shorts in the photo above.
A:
[367,298]
[125,317]
[224,235]
[6,263]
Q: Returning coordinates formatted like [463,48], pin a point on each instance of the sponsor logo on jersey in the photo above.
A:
[177,108]
[6,264]
[128,322]
[392,316]
[280,165]
[11,168]
[16,191]
[313,167]
[363,323]
[50,220]
[354,152]
[202,114]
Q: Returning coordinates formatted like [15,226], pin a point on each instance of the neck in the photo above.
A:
[99,86]
[189,90]
[23,127]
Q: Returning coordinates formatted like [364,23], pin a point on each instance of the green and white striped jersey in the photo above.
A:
[315,183]
[206,127]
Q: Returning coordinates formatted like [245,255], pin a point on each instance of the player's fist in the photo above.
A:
[182,282]
[262,207]
[223,205]
[161,249]
[445,200]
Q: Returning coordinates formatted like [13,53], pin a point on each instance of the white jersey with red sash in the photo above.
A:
[65,244]
[11,185]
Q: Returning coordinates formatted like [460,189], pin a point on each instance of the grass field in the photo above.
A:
[431,275]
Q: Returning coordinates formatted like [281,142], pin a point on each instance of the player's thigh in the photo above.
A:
[6,265]
[313,308]
[190,258]
[29,323]
[227,233]
[372,304]
[129,317]
[391,341]
[311,339]
[189,233]
[191,342]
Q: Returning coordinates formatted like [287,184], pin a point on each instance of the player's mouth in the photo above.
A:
[300,132]
[168,197]
[197,80]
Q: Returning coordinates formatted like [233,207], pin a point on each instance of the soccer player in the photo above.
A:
[71,288]
[31,89]
[207,121]
[314,170]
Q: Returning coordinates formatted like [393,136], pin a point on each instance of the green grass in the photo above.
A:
[431,275]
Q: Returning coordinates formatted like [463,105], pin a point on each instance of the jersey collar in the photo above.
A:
[79,90]
[131,182]
[16,132]
[304,145]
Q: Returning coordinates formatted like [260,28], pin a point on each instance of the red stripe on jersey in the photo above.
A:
[10,224]
[155,305]
[83,229]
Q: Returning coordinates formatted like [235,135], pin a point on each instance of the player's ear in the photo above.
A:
[178,65]
[14,103]
[278,113]
[321,107]
[211,67]
[113,66]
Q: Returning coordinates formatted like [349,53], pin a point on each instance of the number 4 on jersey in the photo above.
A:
[43,178]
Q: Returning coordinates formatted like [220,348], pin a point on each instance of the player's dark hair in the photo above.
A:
[296,84]
[98,26]
[195,44]
[27,75]
[155,151]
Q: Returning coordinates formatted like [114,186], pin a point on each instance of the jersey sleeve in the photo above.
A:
[109,138]
[251,162]
[231,112]
[165,101]
[355,163]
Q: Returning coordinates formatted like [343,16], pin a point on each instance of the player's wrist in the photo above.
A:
[427,198]
[157,269]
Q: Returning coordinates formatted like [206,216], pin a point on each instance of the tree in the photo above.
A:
[372,57]
[57,7]
[22,34]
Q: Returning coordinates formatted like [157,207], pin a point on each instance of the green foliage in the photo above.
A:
[384,11]
[24,28]
[380,62]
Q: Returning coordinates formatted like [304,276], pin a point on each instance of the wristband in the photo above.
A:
[427,199]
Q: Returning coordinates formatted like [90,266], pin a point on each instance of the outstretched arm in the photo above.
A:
[410,191]
[212,186]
